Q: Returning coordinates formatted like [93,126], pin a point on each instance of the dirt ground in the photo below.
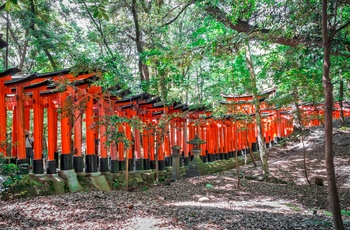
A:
[206,202]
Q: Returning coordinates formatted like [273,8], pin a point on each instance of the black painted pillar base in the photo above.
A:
[114,164]
[131,165]
[152,164]
[104,165]
[23,166]
[254,147]
[13,160]
[204,159]
[138,164]
[231,154]
[247,151]
[161,165]
[51,167]
[210,157]
[66,162]
[122,166]
[78,164]
[181,161]
[91,163]
[56,158]
[186,161]
[222,157]
[226,156]
[217,156]
[167,161]
[146,164]
[277,140]
[38,166]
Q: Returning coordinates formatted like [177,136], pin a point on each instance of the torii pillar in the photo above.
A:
[103,139]
[66,155]
[52,162]
[3,140]
[90,157]
[78,161]
[38,164]
[21,148]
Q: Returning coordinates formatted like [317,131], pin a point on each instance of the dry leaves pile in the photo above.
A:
[206,202]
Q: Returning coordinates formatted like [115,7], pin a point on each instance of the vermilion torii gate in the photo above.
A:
[76,111]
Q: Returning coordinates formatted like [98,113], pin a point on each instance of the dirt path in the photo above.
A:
[206,202]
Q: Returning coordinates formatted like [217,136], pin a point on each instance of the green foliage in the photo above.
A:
[191,56]
[209,186]
[9,178]
[119,185]
[345,213]
[11,4]
[294,207]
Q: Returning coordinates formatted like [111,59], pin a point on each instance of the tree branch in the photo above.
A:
[167,14]
[264,34]
[343,26]
[178,15]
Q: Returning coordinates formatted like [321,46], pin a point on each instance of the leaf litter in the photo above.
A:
[205,202]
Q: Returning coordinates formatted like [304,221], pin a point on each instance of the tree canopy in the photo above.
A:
[181,50]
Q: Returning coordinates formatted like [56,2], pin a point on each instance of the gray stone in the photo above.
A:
[203,199]
[71,178]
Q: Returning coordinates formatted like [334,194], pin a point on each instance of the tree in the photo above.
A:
[329,30]
[256,102]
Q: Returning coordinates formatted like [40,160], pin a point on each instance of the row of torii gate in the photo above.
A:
[79,125]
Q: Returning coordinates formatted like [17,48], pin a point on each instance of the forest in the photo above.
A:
[196,52]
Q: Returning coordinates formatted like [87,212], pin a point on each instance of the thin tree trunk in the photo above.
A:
[328,90]
[341,95]
[249,148]
[261,142]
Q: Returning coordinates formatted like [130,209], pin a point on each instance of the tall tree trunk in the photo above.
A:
[261,142]
[328,129]
[143,69]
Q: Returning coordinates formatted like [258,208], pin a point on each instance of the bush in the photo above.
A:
[9,178]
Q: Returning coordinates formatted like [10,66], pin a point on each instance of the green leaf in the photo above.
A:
[96,14]
[105,16]
[209,186]
[8,5]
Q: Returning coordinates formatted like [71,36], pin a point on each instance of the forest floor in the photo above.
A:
[206,202]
